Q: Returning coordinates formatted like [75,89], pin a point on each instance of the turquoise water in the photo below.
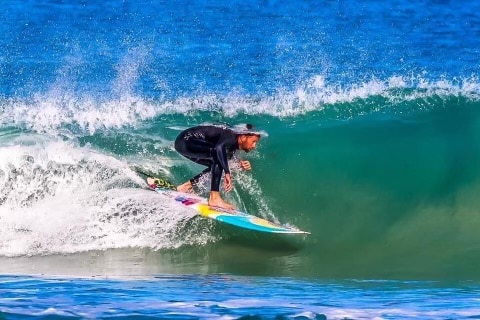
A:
[372,111]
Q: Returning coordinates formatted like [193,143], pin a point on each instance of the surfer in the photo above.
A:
[212,146]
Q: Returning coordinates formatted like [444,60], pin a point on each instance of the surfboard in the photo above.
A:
[232,217]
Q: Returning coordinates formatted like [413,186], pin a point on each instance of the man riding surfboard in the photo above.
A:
[212,146]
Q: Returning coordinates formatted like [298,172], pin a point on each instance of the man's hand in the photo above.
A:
[227,183]
[245,165]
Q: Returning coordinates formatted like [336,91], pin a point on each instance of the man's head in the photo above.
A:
[247,142]
[248,136]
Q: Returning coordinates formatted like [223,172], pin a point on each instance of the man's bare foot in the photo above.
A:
[216,201]
[186,187]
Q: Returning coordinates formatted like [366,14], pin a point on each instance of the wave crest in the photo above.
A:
[60,111]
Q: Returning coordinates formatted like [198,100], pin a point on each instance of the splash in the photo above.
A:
[58,198]
[62,111]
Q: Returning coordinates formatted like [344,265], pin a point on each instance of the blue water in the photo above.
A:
[233,297]
[373,115]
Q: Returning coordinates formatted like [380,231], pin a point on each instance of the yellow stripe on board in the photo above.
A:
[206,211]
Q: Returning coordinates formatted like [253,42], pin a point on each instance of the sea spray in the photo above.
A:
[58,198]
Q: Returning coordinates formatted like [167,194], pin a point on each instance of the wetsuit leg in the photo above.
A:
[215,169]
[200,151]
[194,180]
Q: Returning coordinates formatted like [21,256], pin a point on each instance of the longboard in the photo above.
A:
[233,217]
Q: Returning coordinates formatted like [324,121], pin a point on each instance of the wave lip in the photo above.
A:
[62,112]
[56,113]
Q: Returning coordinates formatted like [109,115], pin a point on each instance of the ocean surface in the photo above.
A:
[373,115]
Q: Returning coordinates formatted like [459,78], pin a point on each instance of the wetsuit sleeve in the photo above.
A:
[225,148]
[221,153]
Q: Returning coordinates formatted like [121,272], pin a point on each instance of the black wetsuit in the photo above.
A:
[210,146]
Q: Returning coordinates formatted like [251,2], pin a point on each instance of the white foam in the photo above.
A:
[52,111]
[59,198]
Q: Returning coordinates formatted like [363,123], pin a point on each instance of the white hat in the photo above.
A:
[247,128]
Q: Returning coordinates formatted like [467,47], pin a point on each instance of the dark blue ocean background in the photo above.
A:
[373,115]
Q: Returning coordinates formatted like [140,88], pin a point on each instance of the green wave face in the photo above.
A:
[384,192]
[393,196]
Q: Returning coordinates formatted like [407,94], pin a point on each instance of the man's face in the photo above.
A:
[248,143]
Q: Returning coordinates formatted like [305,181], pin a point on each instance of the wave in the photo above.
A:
[63,111]
[384,192]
